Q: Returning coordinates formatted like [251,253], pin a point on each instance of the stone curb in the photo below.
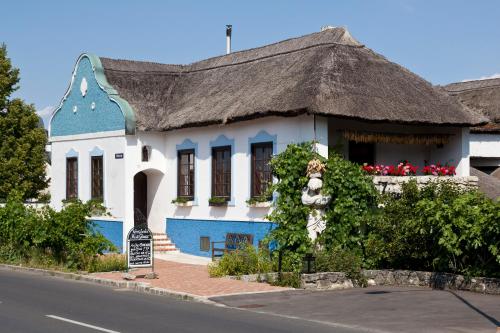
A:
[141,287]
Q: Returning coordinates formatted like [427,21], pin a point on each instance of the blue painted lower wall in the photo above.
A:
[112,230]
[186,233]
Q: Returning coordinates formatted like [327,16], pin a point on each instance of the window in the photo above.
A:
[204,243]
[145,153]
[71,178]
[261,170]
[185,174]
[362,152]
[221,172]
[96,177]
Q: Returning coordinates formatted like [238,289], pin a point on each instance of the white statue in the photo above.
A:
[311,196]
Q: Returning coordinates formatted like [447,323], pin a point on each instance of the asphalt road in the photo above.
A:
[382,309]
[33,303]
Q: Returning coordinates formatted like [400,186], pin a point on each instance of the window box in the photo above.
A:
[183,202]
[259,202]
[217,202]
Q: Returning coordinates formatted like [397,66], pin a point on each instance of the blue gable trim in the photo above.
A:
[99,108]
[188,144]
[222,141]
[72,153]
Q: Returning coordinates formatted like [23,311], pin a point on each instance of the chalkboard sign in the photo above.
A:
[140,247]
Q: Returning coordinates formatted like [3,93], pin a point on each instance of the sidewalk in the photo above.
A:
[193,279]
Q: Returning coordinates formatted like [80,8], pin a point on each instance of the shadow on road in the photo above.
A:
[485,315]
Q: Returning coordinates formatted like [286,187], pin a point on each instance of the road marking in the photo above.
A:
[97,328]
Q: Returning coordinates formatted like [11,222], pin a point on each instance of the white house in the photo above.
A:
[183,147]
[483,96]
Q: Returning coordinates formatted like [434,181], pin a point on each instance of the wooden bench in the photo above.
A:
[232,243]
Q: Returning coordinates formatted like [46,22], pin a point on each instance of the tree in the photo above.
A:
[22,139]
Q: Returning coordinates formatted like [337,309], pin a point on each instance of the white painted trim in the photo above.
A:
[87,136]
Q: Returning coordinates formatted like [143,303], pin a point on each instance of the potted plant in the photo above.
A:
[217,201]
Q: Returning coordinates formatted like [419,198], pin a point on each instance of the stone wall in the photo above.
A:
[392,184]
[403,278]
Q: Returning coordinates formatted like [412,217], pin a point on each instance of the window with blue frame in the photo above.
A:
[221,172]
[185,174]
[261,177]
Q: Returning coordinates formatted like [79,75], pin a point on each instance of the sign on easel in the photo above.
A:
[140,247]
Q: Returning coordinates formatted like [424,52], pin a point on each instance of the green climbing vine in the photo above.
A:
[353,196]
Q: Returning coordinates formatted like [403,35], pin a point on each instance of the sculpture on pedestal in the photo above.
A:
[312,196]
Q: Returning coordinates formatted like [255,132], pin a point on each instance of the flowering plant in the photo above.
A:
[439,170]
[405,168]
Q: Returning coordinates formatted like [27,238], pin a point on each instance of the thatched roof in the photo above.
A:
[326,73]
[488,184]
[482,96]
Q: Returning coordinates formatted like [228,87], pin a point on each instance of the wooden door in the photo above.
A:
[140,199]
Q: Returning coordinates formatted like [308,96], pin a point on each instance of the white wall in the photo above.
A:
[110,143]
[485,145]
[164,168]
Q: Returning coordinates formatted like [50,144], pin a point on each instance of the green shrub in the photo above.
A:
[66,237]
[246,260]
[440,227]
[288,279]
[108,263]
[339,260]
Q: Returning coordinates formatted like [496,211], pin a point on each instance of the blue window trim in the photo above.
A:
[222,141]
[72,153]
[96,151]
[260,137]
[188,144]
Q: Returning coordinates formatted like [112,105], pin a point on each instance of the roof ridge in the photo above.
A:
[479,84]
[185,68]
[268,56]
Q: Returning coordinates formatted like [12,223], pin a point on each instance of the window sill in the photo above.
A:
[264,204]
[184,204]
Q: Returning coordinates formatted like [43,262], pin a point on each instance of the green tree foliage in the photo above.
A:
[22,139]
[9,77]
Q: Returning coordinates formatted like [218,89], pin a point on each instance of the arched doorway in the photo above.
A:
[140,199]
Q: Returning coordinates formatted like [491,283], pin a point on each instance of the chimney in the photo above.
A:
[229,27]
[327,27]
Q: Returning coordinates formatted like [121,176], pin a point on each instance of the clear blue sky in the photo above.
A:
[443,41]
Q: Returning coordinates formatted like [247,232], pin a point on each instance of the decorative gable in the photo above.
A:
[91,105]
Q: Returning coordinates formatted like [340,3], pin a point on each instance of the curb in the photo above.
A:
[140,287]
